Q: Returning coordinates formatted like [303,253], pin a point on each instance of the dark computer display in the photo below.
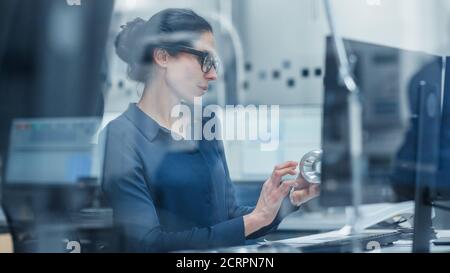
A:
[393,84]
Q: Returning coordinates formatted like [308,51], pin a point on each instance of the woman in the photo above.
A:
[169,195]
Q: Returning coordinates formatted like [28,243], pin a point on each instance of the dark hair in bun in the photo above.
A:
[138,38]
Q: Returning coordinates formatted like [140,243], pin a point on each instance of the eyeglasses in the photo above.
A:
[206,59]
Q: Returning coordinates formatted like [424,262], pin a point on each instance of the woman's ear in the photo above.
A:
[161,57]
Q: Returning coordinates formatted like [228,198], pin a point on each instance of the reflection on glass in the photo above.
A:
[392,81]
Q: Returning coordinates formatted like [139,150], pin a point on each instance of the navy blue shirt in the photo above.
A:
[169,195]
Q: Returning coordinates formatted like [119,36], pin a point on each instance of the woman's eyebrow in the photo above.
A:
[209,51]
[202,46]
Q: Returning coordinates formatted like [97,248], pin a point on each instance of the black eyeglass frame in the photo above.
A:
[202,57]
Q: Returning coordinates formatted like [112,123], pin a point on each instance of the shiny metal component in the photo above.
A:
[311,166]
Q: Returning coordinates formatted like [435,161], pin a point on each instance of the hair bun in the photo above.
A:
[126,40]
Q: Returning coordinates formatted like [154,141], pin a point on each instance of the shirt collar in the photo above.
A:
[148,126]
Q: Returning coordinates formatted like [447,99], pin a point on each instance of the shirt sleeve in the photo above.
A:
[234,210]
[135,215]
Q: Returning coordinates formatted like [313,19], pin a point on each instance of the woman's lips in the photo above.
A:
[203,88]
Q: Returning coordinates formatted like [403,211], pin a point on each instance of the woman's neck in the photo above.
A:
[157,102]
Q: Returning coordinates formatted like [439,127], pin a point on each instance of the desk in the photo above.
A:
[6,244]
[289,245]
[406,246]
[401,246]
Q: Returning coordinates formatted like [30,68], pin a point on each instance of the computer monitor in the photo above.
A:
[441,189]
[398,87]
[53,151]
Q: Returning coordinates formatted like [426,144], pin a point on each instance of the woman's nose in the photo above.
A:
[211,75]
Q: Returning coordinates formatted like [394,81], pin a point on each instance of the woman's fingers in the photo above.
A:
[304,191]
[279,173]
[304,195]
[286,164]
[315,190]
[299,196]
[302,183]
[286,186]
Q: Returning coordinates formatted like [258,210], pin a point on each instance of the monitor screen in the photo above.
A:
[390,81]
[53,151]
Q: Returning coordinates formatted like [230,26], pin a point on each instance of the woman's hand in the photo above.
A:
[273,192]
[303,191]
